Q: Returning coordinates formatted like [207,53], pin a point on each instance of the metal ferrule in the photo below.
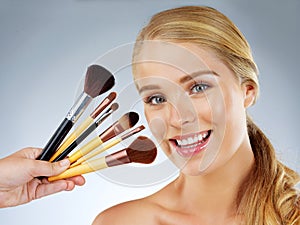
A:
[102,117]
[132,132]
[117,158]
[100,108]
[78,108]
[111,132]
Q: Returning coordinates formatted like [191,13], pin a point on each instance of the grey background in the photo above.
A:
[45,47]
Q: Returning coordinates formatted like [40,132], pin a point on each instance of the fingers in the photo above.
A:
[28,153]
[47,188]
[47,169]
[44,168]
[77,180]
[38,167]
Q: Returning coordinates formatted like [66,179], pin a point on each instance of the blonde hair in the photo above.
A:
[268,196]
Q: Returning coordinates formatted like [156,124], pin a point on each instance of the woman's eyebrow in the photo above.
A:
[196,74]
[182,80]
[149,87]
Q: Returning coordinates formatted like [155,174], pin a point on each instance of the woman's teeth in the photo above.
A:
[192,141]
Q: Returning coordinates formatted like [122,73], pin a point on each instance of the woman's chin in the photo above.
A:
[189,167]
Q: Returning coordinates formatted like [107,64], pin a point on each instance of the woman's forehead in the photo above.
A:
[176,56]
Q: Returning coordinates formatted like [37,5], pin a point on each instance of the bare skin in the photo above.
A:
[175,204]
[19,183]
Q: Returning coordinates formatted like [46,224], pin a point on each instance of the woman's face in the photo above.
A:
[193,103]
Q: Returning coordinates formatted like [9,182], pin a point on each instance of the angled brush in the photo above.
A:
[141,150]
[88,121]
[106,146]
[97,81]
[88,131]
[127,121]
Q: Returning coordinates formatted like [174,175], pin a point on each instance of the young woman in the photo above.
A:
[195,72]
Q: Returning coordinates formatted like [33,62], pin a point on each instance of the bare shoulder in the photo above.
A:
[158,208]
[134,212]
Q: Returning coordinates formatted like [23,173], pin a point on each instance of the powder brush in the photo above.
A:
[88,121]
[141,150]
[97,81]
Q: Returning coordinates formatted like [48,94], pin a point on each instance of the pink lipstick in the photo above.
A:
[190,144]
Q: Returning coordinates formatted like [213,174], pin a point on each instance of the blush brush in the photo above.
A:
[97,81]
[141,150]
[87,122]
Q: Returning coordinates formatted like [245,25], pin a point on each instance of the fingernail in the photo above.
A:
[64,162]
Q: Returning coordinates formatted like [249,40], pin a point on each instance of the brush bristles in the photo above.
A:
[142,150]
[114,106]
[128,120]
[112,96]
[98,80]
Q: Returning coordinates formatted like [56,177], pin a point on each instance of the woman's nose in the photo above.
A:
[181,112]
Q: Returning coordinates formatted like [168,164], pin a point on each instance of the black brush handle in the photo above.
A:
[75,143]
[56,140]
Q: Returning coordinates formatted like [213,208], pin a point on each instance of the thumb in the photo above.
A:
[44,168]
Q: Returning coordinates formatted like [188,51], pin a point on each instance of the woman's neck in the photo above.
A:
[214,195]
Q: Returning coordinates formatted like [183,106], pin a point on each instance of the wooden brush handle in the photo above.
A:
[72,137]
[97,151]
[106,146]
[85,149]
[92,166]
[100,150]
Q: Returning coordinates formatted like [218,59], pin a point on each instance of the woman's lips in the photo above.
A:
[189,145]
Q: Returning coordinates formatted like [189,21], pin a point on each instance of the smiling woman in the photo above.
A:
[195,72]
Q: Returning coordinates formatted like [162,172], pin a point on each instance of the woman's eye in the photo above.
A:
[155,100]
[199,88]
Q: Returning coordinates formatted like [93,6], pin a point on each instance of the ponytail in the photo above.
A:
[268,196]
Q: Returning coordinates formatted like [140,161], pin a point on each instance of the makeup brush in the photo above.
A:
[88,131]
[141,150]
[97,81]
[127,121]
[84,124]
[106,146]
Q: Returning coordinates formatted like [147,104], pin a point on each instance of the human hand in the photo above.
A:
[18,177]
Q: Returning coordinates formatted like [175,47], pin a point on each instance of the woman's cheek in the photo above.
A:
[158,128]
[204,108]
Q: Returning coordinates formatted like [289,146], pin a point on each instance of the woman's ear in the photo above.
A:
[250,92]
